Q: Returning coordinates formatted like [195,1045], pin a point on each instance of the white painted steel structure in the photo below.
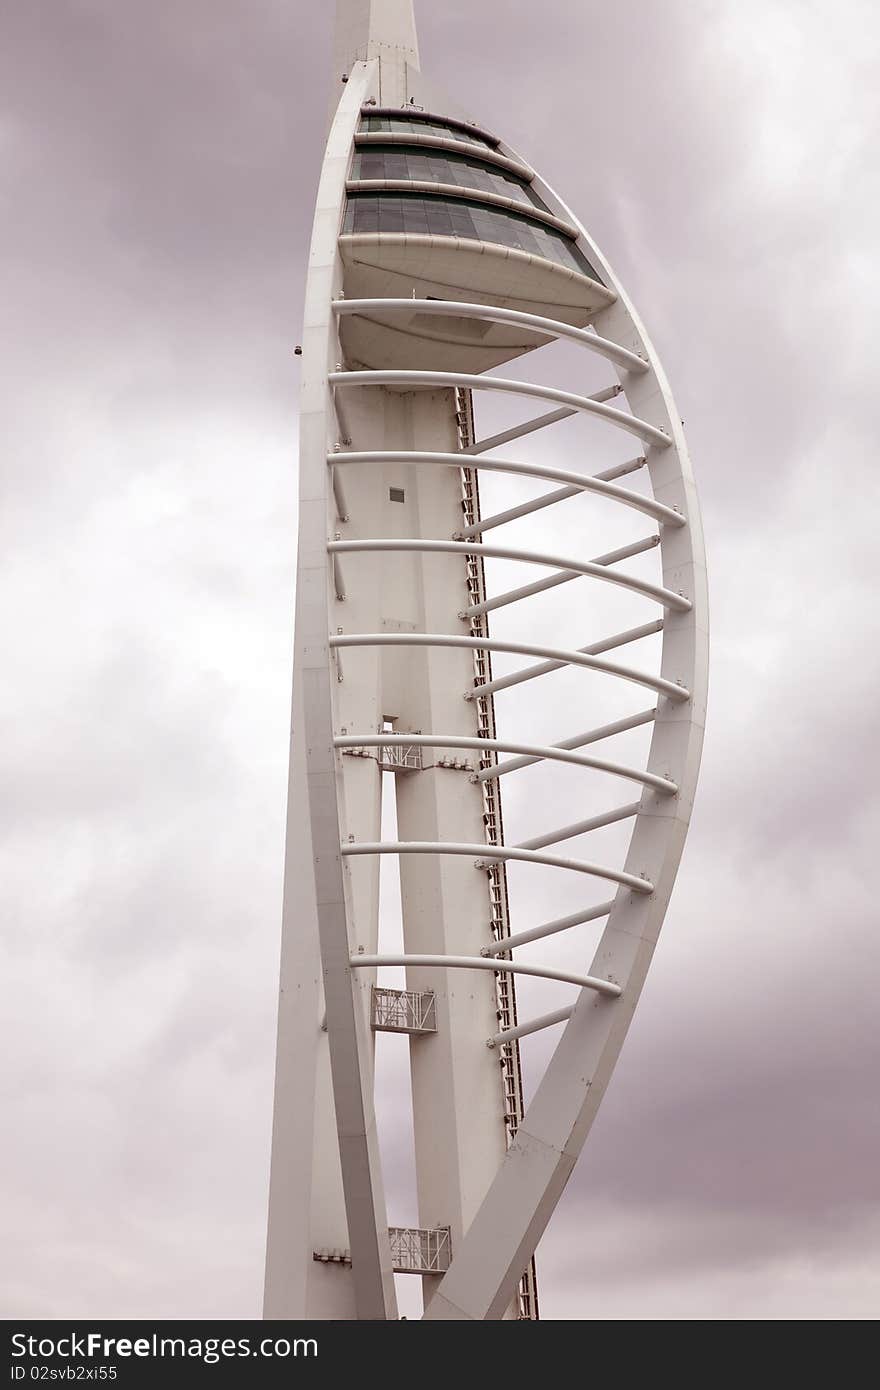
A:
[438,254]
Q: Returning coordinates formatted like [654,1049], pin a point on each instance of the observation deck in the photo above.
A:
[435,210]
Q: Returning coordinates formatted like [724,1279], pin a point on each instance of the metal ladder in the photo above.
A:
[505,989]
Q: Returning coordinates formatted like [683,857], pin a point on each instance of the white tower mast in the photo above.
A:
[437,255]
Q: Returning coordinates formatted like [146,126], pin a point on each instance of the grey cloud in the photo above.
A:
[160,165]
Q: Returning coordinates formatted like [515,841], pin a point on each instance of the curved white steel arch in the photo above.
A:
[637,883]
[668,597]
[642,429]
[494,745]
[541,972]
[547,1144]
[317,933]
[495,1246]
[582,482]
[672,689]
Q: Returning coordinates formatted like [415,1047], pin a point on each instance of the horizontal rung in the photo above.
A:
[521,938]
[495,852]
[620,470]
[494,314]
[406,544]
[581,827]
[484,745]
[475,382]
[563,577]
[534,1025]
[537,504]
[480,963]
[494,644]
[620,726]
[539,422]
[620,639]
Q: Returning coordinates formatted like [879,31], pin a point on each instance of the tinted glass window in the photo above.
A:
[440,166]
[415,127]
[461,217]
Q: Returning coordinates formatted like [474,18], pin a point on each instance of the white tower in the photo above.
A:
[437,255]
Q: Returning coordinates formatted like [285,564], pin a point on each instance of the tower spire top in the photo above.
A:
[381,29]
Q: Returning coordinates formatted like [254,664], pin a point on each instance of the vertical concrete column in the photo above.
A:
[458,1099]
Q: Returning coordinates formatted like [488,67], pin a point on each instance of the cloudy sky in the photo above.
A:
[158,172]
